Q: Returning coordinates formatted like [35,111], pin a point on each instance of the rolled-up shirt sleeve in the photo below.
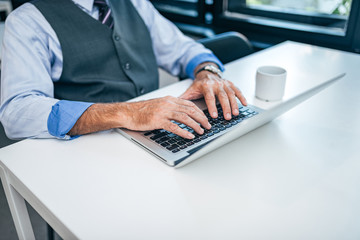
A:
[28,70]
[63,117]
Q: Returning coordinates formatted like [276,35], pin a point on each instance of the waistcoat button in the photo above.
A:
[117,38]
[127,66]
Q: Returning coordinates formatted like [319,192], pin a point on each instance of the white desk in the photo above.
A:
[294,178]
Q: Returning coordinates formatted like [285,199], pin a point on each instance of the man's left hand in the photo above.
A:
[211,86]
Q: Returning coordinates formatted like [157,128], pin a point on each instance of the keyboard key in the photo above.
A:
[239,120]
[159,135]
[171,135]
[163,139]
[243,109]
[181,142]
[209,134]
[172,147]
[196,135]
[148,133]
[222,128]
[178,138]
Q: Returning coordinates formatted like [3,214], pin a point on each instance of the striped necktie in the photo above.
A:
[104,13]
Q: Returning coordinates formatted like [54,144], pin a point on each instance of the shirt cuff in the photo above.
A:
[63,117]
[198,59]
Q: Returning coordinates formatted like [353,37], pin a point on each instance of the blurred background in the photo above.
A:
[329,23]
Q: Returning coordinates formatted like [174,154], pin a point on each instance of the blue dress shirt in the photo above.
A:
[32,60]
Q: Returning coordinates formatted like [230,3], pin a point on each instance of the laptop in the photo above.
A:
[176,151]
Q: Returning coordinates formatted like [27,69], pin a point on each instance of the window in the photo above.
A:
[326,16]
[329,7]
[329,23]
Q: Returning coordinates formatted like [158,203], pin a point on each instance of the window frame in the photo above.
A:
[277,30]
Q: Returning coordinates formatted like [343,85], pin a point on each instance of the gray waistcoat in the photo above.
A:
[101,65]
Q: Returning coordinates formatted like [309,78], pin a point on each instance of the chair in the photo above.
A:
[17,3]
[4,141]
[228,46]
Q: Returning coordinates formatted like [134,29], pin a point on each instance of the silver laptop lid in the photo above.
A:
[259,120]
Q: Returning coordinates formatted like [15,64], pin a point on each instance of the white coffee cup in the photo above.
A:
[270,83]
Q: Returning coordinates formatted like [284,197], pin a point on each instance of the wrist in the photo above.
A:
[208,67]
[99,117]
[122,115]
[105,115]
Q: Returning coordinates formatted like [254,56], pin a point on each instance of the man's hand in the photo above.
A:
[211,86]
[158,113]
[142,116]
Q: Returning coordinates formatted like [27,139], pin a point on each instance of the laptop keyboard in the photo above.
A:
[175,143]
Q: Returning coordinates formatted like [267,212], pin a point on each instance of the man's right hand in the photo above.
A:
[143,116]
[159,113]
